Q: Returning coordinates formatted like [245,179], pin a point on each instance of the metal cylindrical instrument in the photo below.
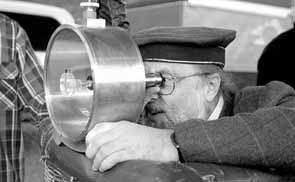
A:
[92,76]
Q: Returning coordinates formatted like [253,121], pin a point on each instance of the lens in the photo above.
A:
[167,85]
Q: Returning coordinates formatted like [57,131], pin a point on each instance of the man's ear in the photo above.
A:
[213,85]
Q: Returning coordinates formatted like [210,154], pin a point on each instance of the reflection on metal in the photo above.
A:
[92,76]
[153,80]
[69,85]
[208,178]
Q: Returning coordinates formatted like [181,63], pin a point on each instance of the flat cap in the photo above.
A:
[193,45]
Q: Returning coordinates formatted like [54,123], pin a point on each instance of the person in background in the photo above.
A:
[275,62]
[196,115]
[21,97]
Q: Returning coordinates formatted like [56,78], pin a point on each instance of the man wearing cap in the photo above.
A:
[195,115]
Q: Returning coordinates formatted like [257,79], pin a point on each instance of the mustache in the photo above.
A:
[150,116]
[155,107]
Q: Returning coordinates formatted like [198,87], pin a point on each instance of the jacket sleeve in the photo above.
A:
[261,133]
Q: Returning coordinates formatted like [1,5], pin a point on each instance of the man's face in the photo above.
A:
[184,103]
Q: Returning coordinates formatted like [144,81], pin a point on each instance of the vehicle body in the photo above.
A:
[38,20]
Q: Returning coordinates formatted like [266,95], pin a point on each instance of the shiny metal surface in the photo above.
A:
[153,79]
[92,76]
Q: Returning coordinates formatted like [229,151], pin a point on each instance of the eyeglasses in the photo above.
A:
[168,85]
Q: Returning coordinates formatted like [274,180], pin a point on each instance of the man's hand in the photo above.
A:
[112,143]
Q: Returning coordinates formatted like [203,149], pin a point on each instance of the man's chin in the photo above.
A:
[160,120]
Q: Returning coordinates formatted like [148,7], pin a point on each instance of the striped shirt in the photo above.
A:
[21,96]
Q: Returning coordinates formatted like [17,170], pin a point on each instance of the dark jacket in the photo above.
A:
[257,129]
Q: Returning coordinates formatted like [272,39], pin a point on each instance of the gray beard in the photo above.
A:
[154,116]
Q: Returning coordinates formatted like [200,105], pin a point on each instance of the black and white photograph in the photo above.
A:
[147,91]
